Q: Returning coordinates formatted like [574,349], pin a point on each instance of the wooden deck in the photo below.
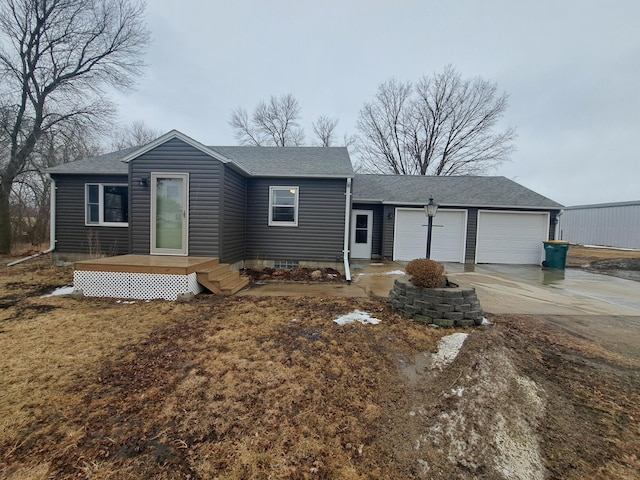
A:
[163,264]
[155,276]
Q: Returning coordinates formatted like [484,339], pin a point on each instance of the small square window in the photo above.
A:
[107,205]
[283,206]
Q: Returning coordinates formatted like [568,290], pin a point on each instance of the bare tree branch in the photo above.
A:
[244,131]
[133,134]
[444,125]
[325,129]
[58,58]
[274,123]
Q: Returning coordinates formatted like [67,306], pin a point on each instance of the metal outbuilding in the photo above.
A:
[606,224]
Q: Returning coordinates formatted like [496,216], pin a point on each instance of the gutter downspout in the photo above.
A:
[52,226]
[347,228]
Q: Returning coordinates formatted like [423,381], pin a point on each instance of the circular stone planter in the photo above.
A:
[446,307]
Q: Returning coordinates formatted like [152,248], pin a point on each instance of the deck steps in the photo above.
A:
[221,280]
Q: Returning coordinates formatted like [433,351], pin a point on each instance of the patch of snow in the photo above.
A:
[448,348]
[457,391]
[126,302]
[357,316]
[392,272]
[486,322]
[520,457]
[60,291]
[424,466]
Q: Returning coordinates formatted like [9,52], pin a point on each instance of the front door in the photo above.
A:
[361,233]
[169,213]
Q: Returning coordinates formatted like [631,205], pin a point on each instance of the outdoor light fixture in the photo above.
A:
[430,209]
[143,181]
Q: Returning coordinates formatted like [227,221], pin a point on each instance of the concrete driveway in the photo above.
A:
[524,289]
[516,289]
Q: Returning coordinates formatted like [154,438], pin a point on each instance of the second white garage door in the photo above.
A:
[447,238]
[511,237]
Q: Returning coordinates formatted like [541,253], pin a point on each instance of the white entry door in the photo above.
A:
[169,213]
[361,233]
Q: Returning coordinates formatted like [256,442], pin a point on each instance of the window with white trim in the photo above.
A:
[283,206]
[107,204]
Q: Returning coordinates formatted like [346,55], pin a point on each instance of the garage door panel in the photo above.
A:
[511,237]
[447,239]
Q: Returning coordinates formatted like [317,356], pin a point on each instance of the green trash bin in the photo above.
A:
[555,252]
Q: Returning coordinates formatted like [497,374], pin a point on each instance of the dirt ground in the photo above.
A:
[258,388]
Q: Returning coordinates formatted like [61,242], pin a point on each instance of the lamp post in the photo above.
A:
[430,209]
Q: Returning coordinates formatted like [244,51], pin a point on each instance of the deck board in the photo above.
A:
[162,264]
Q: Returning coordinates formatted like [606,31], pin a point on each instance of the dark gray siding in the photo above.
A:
[388,230]
[234,207]
[376,239]
[72,236]
[472,235]
[205,174]
[553,220]
[319,235]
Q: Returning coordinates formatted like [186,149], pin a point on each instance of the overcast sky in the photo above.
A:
[571,70]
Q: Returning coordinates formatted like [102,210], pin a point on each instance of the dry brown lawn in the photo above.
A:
[229,388]
[257,388]
[579,255]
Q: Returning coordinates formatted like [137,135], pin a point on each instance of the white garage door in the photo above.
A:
[511,237]
[447,238]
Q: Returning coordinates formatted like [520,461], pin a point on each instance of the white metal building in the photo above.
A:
[606,224]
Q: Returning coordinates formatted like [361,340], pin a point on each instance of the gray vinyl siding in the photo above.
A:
[376,234]
[72,235]
[205,173]
[319,235]
[472,235]
[388,231]
[552,226]
[234,209]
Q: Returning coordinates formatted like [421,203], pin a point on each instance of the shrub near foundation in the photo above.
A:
[426,273]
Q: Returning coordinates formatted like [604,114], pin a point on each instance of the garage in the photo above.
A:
[511,237]
[447,238]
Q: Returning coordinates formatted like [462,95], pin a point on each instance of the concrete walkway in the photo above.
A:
[517,289]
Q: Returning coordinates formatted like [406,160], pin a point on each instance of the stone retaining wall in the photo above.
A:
[446,307]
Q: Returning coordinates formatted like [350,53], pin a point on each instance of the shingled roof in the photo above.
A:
[258,161]
[291,161]
[107,164]
[467,191]
[329,162]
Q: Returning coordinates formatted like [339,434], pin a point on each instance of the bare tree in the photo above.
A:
[276,123]
[57,60]
[133,134]
[443,126]
[29,201]
[325,130]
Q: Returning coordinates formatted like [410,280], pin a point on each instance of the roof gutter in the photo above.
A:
[347,217]
[52,226]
